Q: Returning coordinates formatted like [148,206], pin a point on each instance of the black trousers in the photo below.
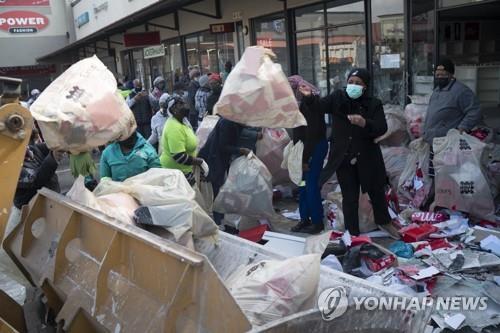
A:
[348,177]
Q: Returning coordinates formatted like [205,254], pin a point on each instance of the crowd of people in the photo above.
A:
[166,137]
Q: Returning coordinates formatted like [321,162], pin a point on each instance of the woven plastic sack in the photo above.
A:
[460,183]
[257,94]
[415,115]
[248,189]
[270,151]
[82,109]
[205,128]
[270,290]
[414,182]
[396,134]
[154,187]
[395,162]
[119,205]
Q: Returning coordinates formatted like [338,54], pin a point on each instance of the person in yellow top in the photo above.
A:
[178,141]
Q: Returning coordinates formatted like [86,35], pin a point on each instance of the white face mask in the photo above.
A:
[197,78]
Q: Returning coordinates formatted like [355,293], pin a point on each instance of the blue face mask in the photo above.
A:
[354,91]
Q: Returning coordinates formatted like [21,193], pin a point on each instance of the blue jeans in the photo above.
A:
[310,203]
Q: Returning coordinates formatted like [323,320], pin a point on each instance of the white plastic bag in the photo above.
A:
[414,182]
[270,290]
[119,205]
[82,109]
[396,134]
[292,160]
[395,162]
[270,151]
[257,94]
[206,127]
[460,183]
[415,115]
[247,190]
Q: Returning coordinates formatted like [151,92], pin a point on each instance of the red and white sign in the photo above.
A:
[12,3]
[28,70]
[22,21]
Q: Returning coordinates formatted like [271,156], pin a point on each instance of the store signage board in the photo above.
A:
[14,3]
[141,39]
[82,19]
[154,51]
[221,28]
[22,21]
[28,70]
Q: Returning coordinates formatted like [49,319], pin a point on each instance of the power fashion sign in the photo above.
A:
[22,21]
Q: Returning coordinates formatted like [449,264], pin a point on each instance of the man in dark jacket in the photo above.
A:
[452,104]
[193,87]
[218,151]
[357,120]
[39,170]
[139,101]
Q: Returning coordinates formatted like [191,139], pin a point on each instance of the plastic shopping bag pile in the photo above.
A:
[82,109]
[257,94]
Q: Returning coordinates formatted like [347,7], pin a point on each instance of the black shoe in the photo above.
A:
[301,225]
[313,229]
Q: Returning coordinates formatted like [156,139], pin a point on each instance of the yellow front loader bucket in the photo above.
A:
[102,275]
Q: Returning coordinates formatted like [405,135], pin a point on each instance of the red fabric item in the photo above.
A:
[486,224]
[439,244]
[418,234]
[254,234]
[359,240]
[335,235]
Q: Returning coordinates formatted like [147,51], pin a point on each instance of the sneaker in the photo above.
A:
[313,229]
[301,225]
[393,232]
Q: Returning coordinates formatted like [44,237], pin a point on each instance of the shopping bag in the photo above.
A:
[460,182]
[82,109]
[204,194]
[293,161]
[257,94]
[270,151]
[247,190]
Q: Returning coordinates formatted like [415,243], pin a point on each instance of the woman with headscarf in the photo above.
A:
[358,119]
[158,122]
[313,136]
[179,141]
[159,85]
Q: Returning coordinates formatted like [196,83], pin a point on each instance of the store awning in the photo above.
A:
[141,17]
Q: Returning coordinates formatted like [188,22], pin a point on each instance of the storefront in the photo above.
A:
[328,39]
